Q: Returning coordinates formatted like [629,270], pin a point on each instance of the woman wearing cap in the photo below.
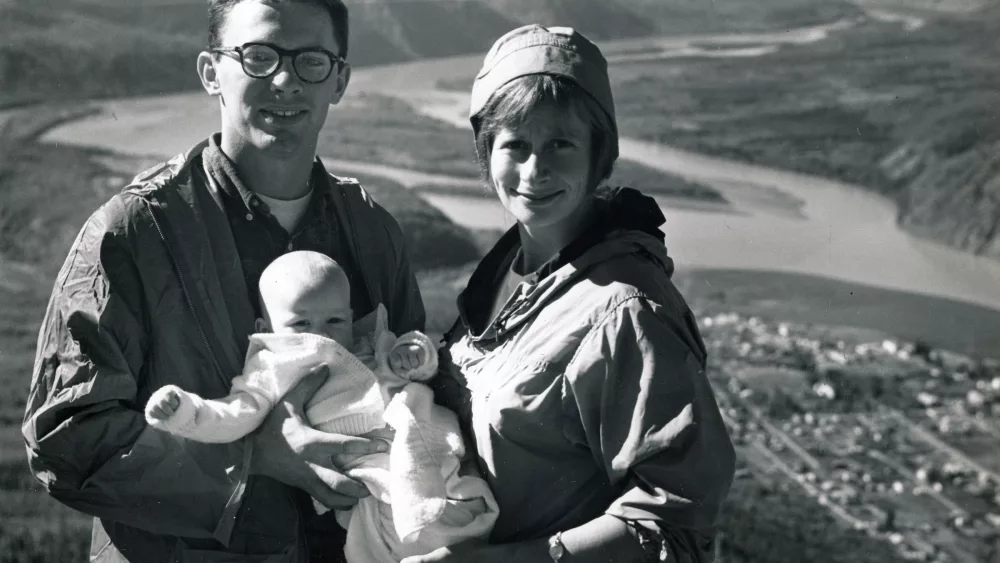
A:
[576,367]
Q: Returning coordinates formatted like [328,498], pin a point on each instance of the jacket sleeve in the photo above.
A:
[649,416]
[88,442]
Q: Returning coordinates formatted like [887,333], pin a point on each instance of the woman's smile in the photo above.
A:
[533,197]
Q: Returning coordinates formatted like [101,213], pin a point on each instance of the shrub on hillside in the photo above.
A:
[434,241]
[62,540]
[763,523]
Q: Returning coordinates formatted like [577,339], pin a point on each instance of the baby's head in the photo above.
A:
[306,292]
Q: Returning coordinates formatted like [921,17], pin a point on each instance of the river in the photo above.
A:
[837,230]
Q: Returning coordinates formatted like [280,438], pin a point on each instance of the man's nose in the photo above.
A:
[285,80]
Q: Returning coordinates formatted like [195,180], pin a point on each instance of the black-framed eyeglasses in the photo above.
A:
[262,60]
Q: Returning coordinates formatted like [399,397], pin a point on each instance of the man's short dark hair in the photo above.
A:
[219,9]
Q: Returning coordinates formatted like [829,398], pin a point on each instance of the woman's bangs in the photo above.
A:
[518,99]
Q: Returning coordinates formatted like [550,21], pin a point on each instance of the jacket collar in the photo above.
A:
[626,222]
[223,171]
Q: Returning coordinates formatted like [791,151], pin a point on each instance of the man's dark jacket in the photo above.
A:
[152,293]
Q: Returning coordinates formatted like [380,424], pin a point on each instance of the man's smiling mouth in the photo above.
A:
[283,114]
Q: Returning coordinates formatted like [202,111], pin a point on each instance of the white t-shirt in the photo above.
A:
[511,279]
[288,212]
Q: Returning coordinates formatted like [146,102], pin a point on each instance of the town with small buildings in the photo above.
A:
[896,440]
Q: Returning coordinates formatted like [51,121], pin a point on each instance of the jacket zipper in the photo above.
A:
[187,298]
[357,252]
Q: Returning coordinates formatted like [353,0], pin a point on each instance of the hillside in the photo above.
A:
[909,112]
[951,151]
[68,49]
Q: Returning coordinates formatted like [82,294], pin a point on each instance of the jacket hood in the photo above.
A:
[626,222]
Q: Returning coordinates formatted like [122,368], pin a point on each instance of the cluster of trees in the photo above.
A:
[60,541]
[765,523]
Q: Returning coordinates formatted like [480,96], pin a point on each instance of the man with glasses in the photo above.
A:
[160,287]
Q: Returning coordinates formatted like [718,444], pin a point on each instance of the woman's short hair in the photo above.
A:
[219,9]
[515,100]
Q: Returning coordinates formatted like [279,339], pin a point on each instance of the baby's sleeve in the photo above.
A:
[428,368]
[214,421]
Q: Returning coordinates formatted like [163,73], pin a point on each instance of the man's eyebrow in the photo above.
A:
[280,46]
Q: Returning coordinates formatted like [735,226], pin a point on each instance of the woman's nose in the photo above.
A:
[534,168]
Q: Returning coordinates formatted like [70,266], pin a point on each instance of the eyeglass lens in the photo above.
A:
[312,66]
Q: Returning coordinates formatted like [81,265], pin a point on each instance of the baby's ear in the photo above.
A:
[260,325]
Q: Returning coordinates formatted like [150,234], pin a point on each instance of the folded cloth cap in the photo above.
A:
[534,49]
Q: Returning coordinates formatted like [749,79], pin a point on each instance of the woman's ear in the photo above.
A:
[260,325]
[208,73]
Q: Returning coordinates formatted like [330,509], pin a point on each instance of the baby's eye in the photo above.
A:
[334,321]
[301,323]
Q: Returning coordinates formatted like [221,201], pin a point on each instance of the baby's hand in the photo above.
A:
[163,406]
[404,358]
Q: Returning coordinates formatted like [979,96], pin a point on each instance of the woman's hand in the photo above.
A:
[287,449]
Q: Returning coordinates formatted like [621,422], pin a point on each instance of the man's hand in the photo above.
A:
[287,449]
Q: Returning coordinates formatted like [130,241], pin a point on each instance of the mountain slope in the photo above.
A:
[423,29]
[598,19]
[68,49]
[949,163]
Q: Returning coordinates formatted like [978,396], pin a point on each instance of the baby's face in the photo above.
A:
[324,310]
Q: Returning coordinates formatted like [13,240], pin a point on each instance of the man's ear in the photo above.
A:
[208,73]
[260,325]
[343,79]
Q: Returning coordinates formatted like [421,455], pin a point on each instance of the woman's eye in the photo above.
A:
[563,143]
[514,145]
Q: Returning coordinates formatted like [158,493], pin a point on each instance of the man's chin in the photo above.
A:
[280,143]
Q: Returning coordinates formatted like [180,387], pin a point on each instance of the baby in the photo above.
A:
[419,500]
